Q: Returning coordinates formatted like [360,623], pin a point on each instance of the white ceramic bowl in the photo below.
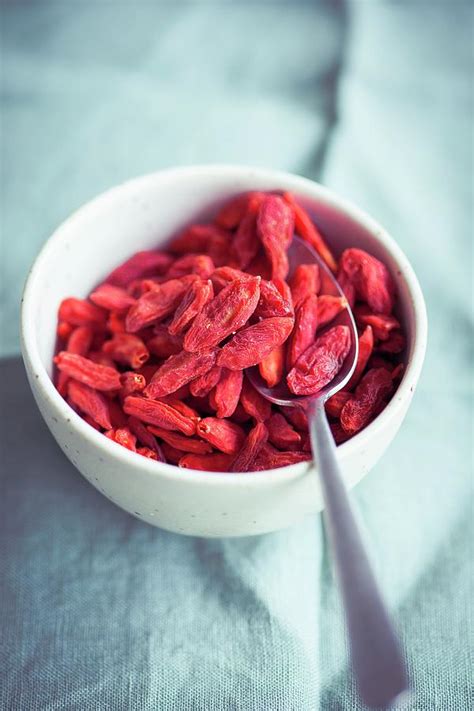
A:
[142,214]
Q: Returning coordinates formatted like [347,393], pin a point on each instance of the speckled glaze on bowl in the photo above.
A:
[141,214]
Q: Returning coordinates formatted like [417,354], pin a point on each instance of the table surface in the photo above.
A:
[101,611]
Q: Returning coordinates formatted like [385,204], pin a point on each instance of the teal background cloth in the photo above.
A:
[101,611]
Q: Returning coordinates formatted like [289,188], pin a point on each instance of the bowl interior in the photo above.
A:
[144,213]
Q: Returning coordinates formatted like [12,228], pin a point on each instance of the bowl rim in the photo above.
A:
[294,183]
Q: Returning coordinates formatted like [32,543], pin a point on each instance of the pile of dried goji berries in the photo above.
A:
[155,357]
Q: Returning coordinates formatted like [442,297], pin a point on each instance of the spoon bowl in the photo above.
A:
[300,252]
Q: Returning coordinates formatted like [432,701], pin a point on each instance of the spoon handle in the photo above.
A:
[376,654]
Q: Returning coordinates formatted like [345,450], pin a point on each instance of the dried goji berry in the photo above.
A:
[216,462]
[138,287]
[260,266]
[347,287]
[90,402]
[182,407]
[147,371]
[253,403]
[272,366]
[202,386]
[127,349]
[124,437]
[382,325]
[395,343]
[185,444]
[200,264]
[154,305]
[327,286]
[204,405]
[336,402]
[275,226]
[208,405]
[339,434]
[252,445]
[305,281]
[97,376]
[116,322]
[163,344]
[79,342]
[223,276]
[308,231]
[112,298]
[366,346]
[147,452]
[203,238]
[240,416]
[139,265]
[227,392]
[64,330]
[251,345]
[90,421]
[374,387]
[378,361]
[285,293]
[232,212]
[297,416]
[222,434]
[79,312]
[172,455]
[304,331]
[321,362]
[98,340]
[397,372]
[144,436]
[226,313]
[245,244]
[329,307]
[160,413]
[270,458]
[101,358]
[275,299]
[281,434]
[182,393]
[131,383]
[371,279]
[178,370]
[117,416]
[199,294]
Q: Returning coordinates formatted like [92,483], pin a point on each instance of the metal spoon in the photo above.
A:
[375,651]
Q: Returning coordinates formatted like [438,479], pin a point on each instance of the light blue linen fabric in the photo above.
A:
[101,611]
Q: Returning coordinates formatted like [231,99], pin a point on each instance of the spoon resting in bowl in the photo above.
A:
[376,655]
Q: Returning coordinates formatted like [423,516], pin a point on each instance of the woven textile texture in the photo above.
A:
[99,611]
